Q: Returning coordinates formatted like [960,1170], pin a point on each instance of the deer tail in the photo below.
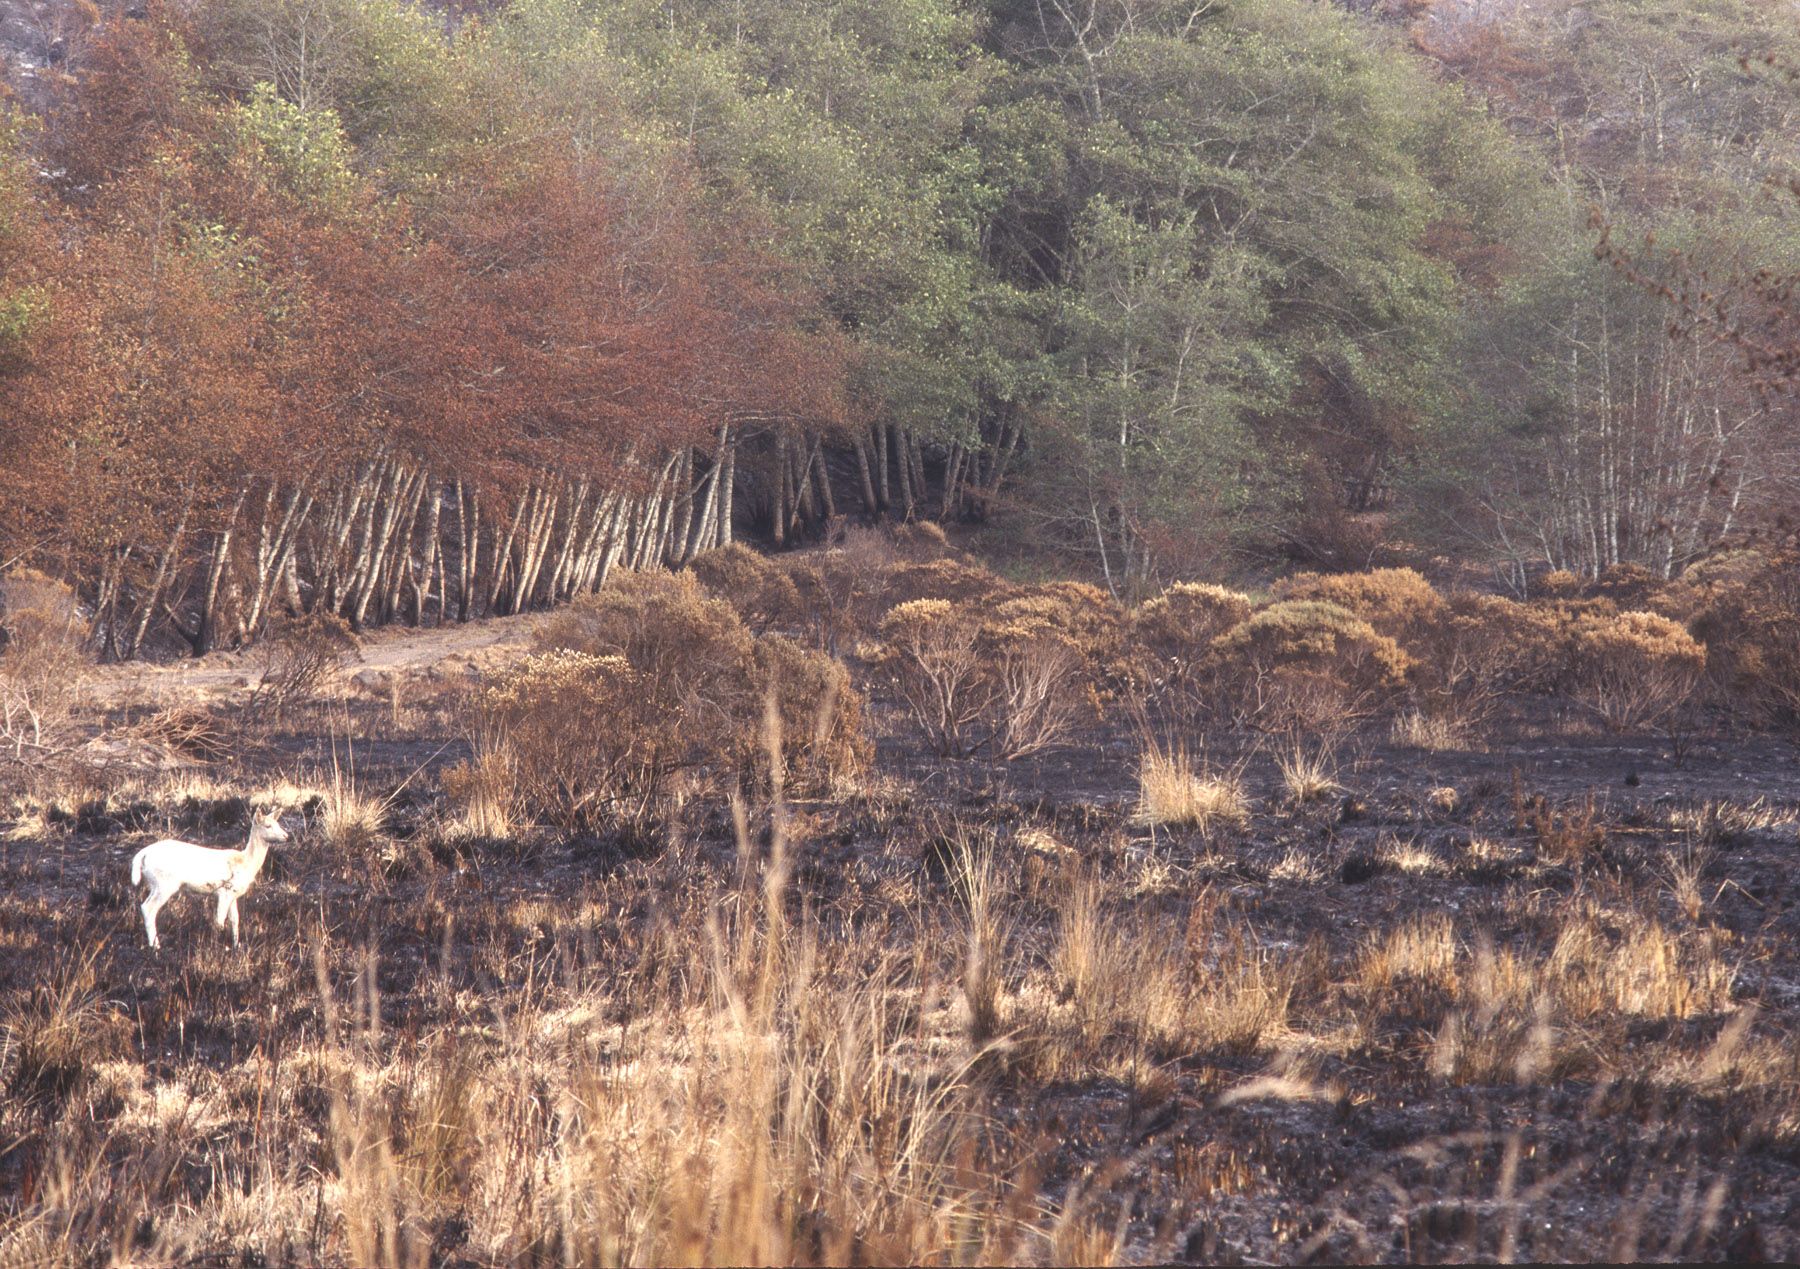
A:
[137,866]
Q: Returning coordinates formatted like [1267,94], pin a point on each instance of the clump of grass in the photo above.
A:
[484,792]
[1408,857]
[1297,865]
[1415,730]
[1172,793]
[1308,777]
[1683,867]
[352,819]
[1241,1002]
[986,941]
[1424,949]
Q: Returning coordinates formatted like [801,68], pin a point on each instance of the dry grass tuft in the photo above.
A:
[1308,777]
[1414,730]
[1173,794]
[352,819]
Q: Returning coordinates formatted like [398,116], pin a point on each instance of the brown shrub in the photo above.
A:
[845,592]
[1630,586]
[42,660]
[1560,583]
[1170,636]
[824,736]
[1015,675]
[1632,669]
[295,656]
[950,579]
[585,742]
[191,730]
[1397,602]
[922,540]
[664,677]
[1481,649]
[840,591]
[762,593]
[691,650]
[1747,613]
[1307,664]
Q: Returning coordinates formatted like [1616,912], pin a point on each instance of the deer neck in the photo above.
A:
[255,852]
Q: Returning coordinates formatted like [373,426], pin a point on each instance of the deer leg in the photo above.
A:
[151,905]
[226,900]
[234,921]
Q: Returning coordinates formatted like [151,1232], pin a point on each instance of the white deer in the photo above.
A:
[171,866]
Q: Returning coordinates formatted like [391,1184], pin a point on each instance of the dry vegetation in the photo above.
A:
[860,906]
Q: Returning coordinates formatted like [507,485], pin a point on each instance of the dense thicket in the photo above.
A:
[345,305]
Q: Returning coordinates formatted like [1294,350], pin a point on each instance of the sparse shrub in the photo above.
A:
[840,591]
[1565,836]
[931,651]
[1632,670]
[294,658]
[1035,662]
[42,661]
[190,730]
[762,593]
[1397,602]
[1306,664]
[1009,674]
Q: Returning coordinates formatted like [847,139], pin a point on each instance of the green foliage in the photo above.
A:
[304,150]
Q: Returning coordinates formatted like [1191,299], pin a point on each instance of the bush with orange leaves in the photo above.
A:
[824,735]
[1170,637]
[1483,649]
[1305,664]
[1632,669]
[1397,602]
[930,650]
[583,741]
[691,648]
[1038,649]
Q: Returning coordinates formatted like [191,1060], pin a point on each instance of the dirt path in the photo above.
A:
[436,651]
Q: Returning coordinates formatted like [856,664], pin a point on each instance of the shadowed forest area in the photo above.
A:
[1037,631]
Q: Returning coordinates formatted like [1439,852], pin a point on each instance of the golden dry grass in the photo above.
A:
[1174,793]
